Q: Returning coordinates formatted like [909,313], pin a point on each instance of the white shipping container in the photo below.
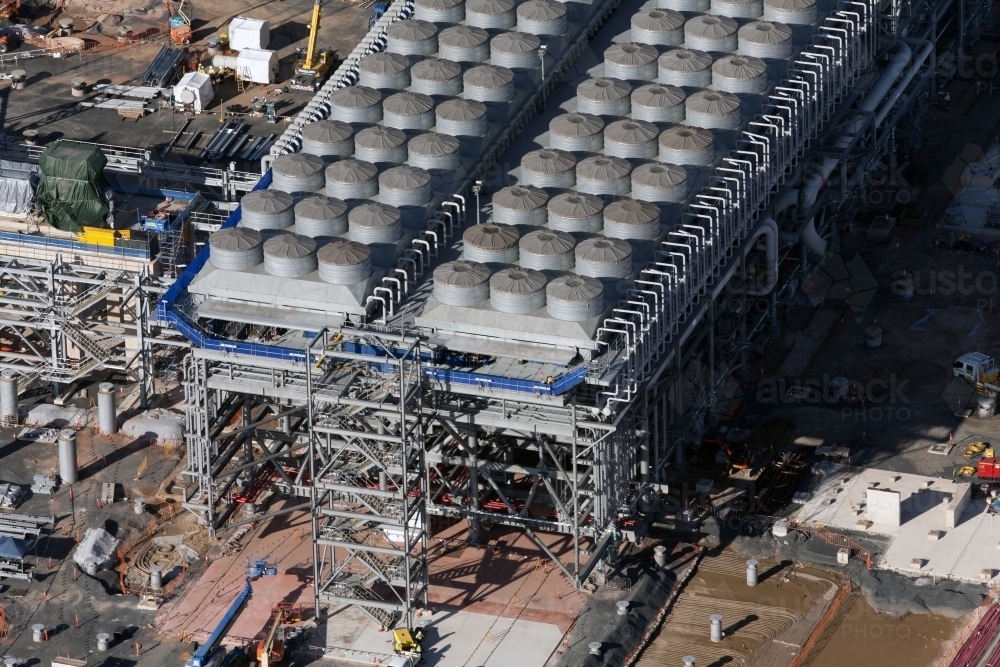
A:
[257,65]
[247,33]
[194,88]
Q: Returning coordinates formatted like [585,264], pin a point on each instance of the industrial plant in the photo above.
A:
[492,332]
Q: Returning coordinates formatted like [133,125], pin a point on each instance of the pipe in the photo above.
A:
[106,410]
[769,230]
[67,456]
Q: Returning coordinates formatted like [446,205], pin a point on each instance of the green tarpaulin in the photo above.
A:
[71,186]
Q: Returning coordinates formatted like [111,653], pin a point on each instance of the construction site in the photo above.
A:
[489,332]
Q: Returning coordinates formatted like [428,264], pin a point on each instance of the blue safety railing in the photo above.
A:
[558,386]
[68,245]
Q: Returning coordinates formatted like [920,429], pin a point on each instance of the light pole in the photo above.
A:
[475,190]
[542,48]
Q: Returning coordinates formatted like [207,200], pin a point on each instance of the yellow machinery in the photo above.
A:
[101,235]
[180,23]
[314,64]
[271,649]
[404,644]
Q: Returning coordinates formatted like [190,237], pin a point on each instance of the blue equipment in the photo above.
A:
[201,656]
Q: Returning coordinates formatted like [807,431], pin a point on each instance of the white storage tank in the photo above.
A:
[713,110]
[236,248]
[547,250]
[687,146]
[412,37]
[373,222]
[489,83]
[711,33]
[580,132]
[520,205]
[740,74]
[328,138]
[434,151]
[738,9]
[517,290]
[267,209]
[461,283]
[408,111]
[344,262]
[320,215]
[604,258]
[631,139]
[542,17]
[574,298]
[356,104]
[462,118]
[297,172]
[491,244]
[548,168]
[405,185]
[658,103]
[684,5]
[629,219]
[436,77]
[765,39]
[604,175]
[662,27]
[379,144]
[384,70]
[791,12]
[351,179]
[289,255]
[576,212]
[439,11]
[630,61]
[603,97]
[491,14]
[464,44]
[663,183]
[516,50]
[247,33]
[195,88]
[685,67]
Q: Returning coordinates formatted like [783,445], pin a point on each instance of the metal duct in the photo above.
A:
[374,222]
[236,248]
[661,27]
[684,5]
[491,244]
[405,186]
[542,17]
[380,145]
[436,77]
[738,9]
[434,151]
[462,118]
[764,39]
[464,44]
[384,70]
[576,212]
[516,50]
[548,168]
[658,103]
[711,33]
[328,138]
[520,205]
[439,11]
[659,183]
[412,37]
[344,262]
[604,257]
[461,283]
[581,132]
[630,61]
[356,104]
[267,209]
[740,74]
[687,146]
[629,219]
[68,472]
[297,172]
[489,83]
[791,12]
[351,179]
[107,413]
[547,250]
[8,397]
[517,290]
[631,139]
[604,97]
[408,111]
[320,216]
[574,298]
[490,14]
[712,110]
[289,255]
[685,67]
[603,175]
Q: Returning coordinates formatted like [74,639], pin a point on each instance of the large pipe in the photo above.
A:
[67,456]
[769,230]
[107,416]
[8,397]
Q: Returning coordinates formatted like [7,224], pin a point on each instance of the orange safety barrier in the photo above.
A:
[821,627]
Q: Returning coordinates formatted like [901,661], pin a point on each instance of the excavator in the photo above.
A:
[313,65]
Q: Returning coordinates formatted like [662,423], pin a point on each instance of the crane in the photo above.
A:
[206,655]
[271,649]
[313,64]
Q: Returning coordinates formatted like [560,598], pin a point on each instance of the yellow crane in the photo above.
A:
[313,64]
